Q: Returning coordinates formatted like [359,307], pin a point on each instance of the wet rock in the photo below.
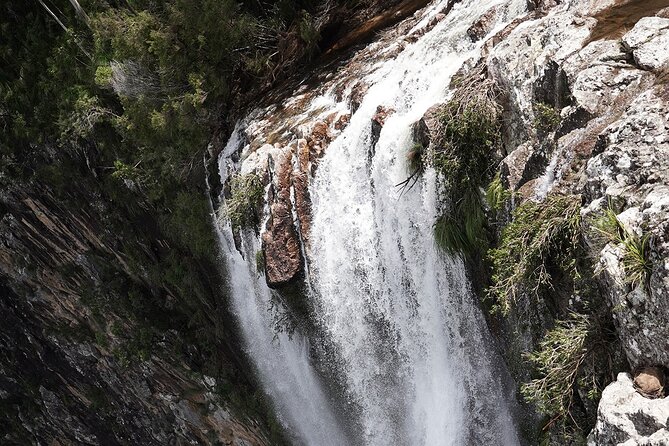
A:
[378,121]
[626,417]
[484,24]
[280,240]
[649,382]
[426,130]
[357,95]
[283,258]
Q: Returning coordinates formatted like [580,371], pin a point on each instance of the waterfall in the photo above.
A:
[282,362]
[406,338]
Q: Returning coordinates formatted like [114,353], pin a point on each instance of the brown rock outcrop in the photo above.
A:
[649,382]
[483,25]
[280,240]
[378,121]
[425,131]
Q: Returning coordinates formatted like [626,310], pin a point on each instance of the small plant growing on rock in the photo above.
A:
[539,232]
[496,194]
[636,262]
[469,136]
[546,118]
[246,197]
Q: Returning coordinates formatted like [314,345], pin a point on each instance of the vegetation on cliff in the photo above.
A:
[469,136]
[540,236]
[110,107]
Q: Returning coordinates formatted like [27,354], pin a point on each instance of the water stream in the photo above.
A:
[408,342]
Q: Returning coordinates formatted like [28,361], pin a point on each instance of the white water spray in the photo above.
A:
[408,340]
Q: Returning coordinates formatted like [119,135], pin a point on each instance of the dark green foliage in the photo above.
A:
[469,137]
[462,230]
[546,118]
[496,195]
[539,233]
[244,204]
[558,362]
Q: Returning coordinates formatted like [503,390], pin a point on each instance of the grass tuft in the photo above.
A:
[636,262]
[546,118]
[496,195]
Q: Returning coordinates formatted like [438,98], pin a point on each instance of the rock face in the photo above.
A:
[611,147]
[627,418]
[67,374]
[631,171]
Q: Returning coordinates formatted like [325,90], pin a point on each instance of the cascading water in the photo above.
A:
[281,361]
[397,313]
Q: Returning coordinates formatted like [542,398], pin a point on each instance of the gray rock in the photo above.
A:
[626,418]
[648,41]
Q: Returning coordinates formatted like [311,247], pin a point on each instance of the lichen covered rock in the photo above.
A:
[627,418]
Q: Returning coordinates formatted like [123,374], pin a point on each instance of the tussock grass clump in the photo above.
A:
[539,233]
[636,261]
[558,362]
[463,230]
[496,195]
[469,136]
[246,197]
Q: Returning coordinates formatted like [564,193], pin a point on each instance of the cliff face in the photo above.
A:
[96,350]
[113,335]
[585,114]
[603,67]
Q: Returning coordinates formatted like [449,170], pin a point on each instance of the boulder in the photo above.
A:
[425,131]
[280,240]
[626,418]
[378,121]
[649,382]
[648,42]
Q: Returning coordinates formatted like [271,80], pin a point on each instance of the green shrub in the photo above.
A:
[462,230]
[309,32]
[538,233]
[246,198]
[546,118]
[469,136]
[496,195]
[557,363]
